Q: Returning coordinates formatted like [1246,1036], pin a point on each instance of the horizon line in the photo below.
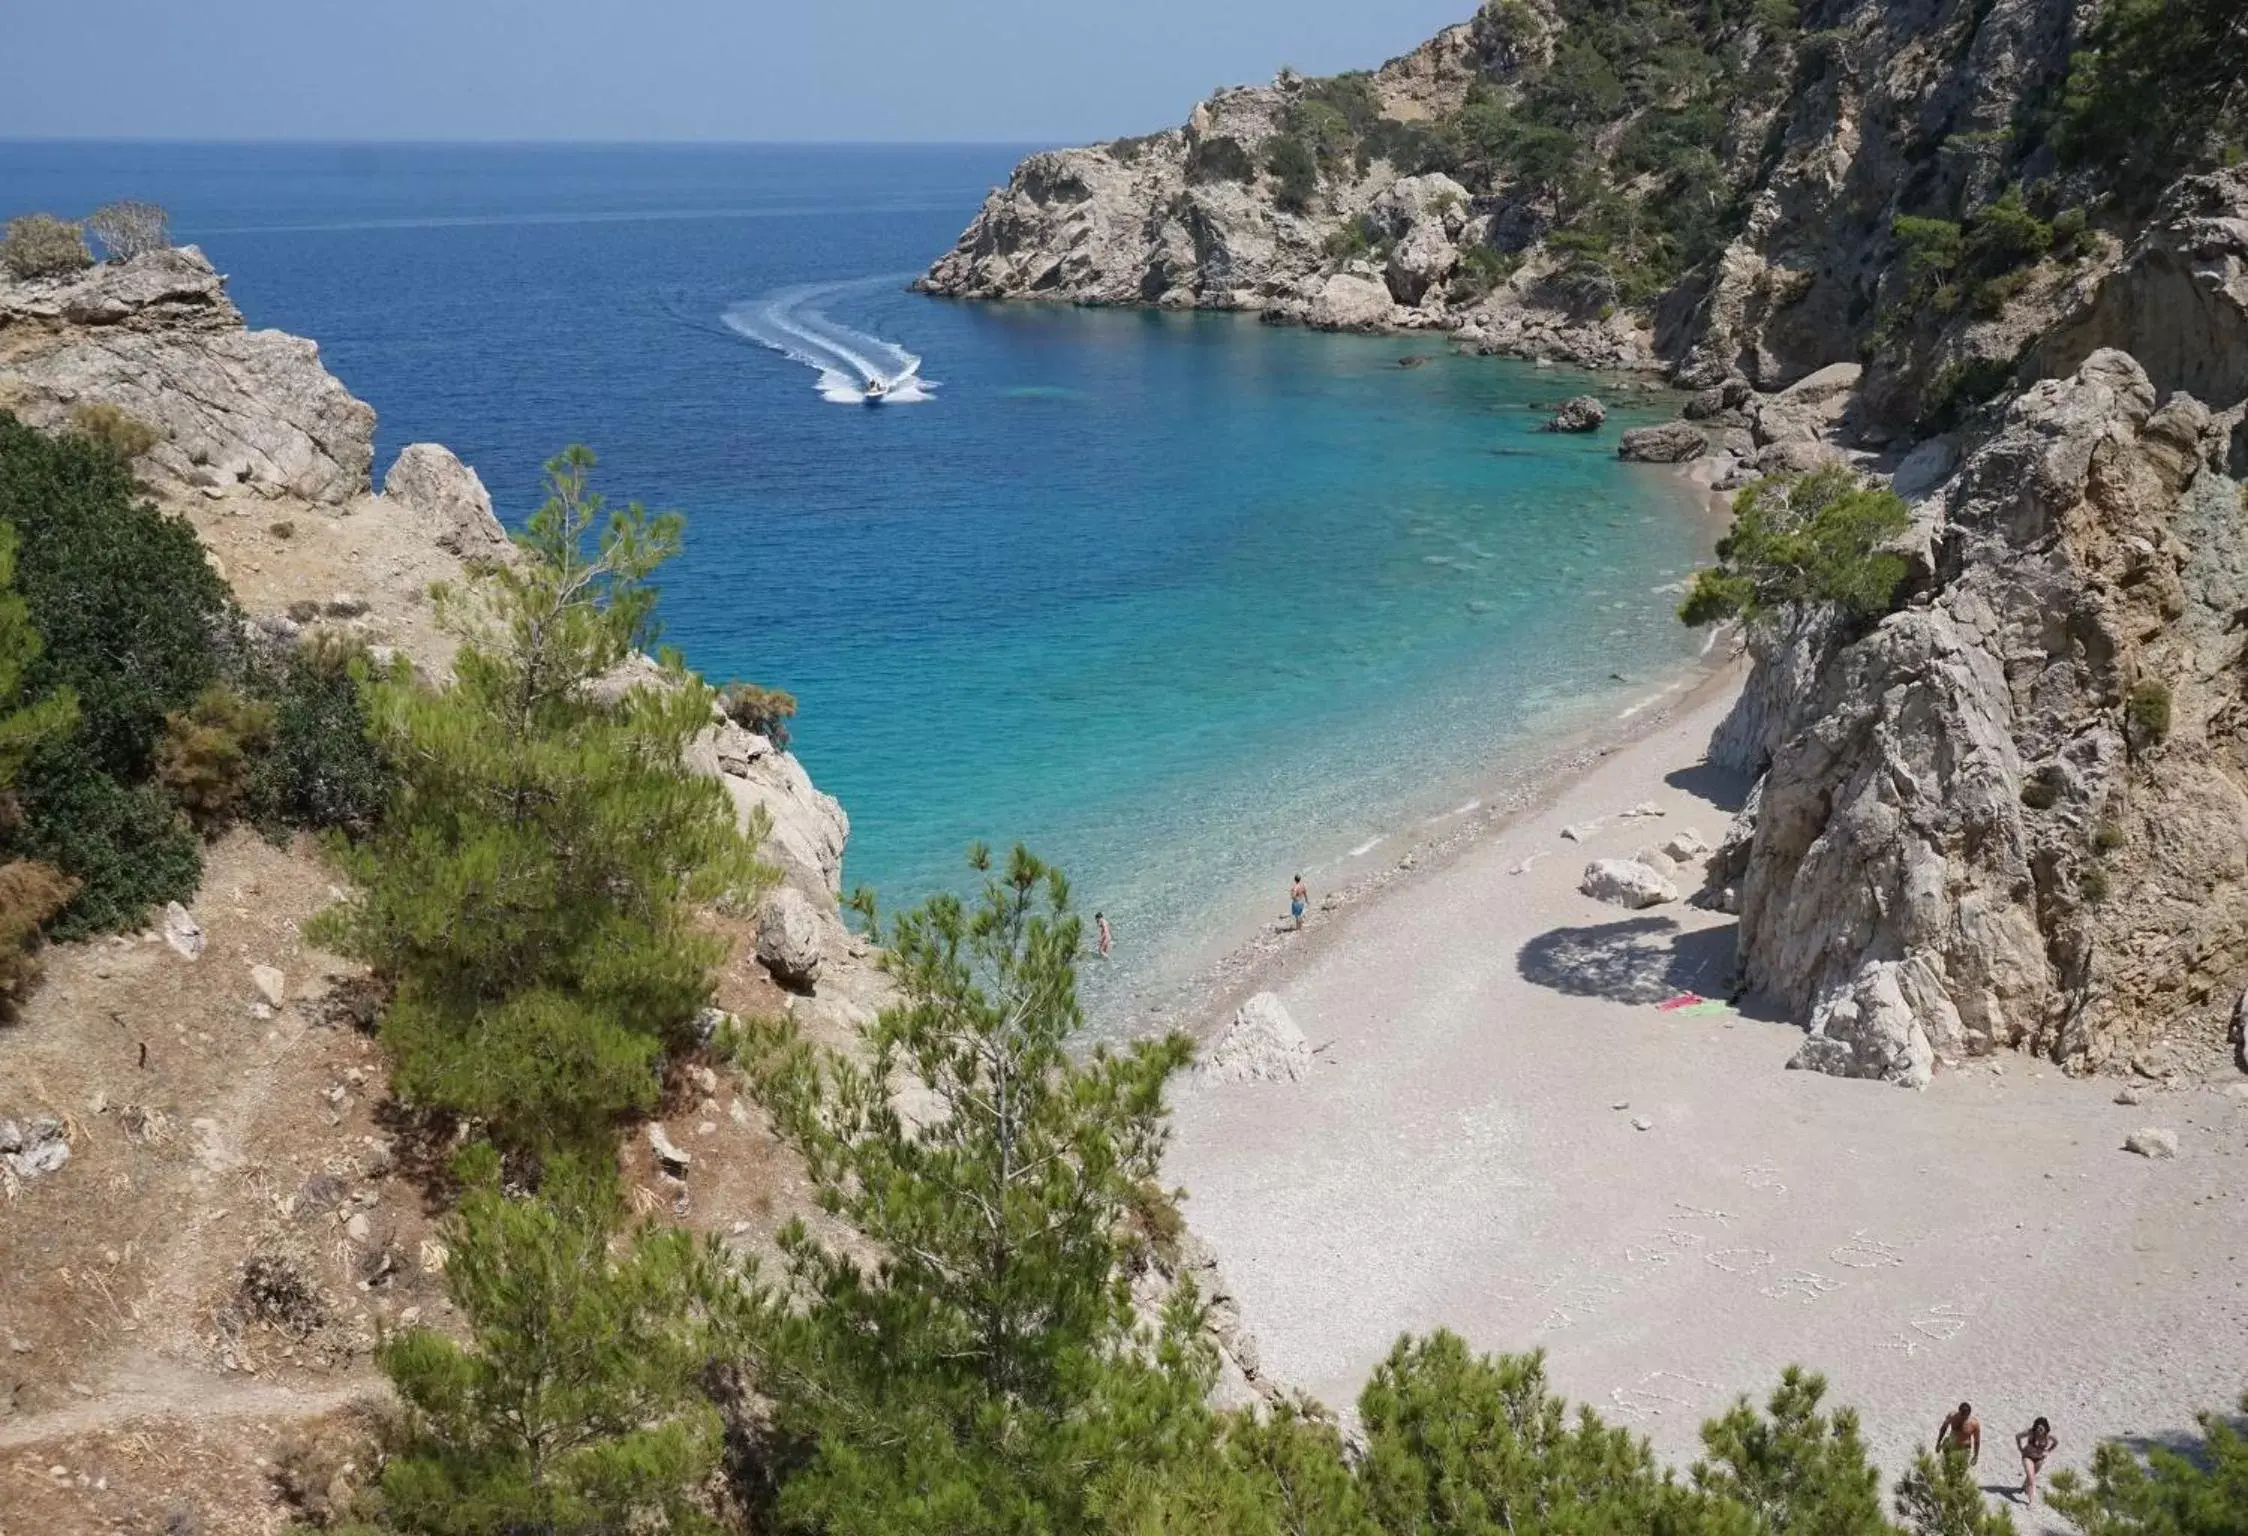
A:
[290,141]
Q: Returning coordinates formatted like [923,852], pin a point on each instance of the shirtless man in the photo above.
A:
[1961,1432]
[1298,895]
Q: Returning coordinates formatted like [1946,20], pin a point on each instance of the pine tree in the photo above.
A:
[1798,1471]
[1940,1497]
[982,1370]
[2169,1493]
[532,891]
[574,1405]
[1456,1442]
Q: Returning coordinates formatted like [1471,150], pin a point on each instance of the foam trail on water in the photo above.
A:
[794,323]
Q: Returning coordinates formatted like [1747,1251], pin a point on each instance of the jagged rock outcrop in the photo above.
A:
[2015,813]
[1261,1045]
[2178,303]
[157,337]
[429,479]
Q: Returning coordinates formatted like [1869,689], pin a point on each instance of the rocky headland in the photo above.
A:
[2010,814]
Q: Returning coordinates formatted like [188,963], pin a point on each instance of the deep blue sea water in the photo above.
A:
[1184,601]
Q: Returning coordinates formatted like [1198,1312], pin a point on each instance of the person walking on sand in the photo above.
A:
[2035,1443]
[1100,923]
[1299,895]
[1961,1432]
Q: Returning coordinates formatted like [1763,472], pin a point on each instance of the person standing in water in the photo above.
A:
[1100,924]
[1299,895]
[2035,1443]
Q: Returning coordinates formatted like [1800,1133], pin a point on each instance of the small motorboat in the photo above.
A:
[877,391]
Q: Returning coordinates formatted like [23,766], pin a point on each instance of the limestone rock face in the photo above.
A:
[2179,301]
[157,337]
[1633,883]
[1967,832]
[430,480]
[1671,442]
[806,829]
[1350,303]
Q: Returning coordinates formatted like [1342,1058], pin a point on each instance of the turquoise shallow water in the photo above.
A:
[1184,601]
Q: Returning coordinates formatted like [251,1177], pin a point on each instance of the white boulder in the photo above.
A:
[1262,1044]
[1626,883]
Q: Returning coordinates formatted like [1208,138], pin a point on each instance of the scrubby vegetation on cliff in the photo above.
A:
[530,895]
[182,719]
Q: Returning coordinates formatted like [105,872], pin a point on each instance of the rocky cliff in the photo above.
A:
[1756,191]
[2015,812]
[270,457]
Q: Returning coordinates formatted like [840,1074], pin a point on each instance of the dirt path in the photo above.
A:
[145,1387]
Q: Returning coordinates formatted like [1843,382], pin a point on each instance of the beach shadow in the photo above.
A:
[1722,787]
[1638,960]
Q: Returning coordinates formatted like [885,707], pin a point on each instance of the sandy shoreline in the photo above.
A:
[1457,1160]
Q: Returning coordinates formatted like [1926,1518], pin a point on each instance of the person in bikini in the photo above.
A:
[1107,940]
[1961,1432]
[2035,1443]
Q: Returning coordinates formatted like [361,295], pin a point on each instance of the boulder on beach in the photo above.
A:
[1580,413]
[1261,1045]
[1674,442]
[2153,1141]
[1626,883]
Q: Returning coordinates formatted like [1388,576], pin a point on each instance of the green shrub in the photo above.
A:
[575,1400]
[122,593]
[207,756]
[324,767]
[2093,884]
[1295,170]
[2157,87]
[2146,712]
[532,891]
[766,711]
[1219,157]
[2162,1491]
[1932,249]
[1941,1496]
[41,245]
[125,435]
[127,229]
[2071,234]
[2109,837]
[2003,235]
[1816,541]
[129,848]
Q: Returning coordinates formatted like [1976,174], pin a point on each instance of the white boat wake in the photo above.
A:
[793,323]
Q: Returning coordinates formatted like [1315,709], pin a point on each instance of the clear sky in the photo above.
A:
[993,70]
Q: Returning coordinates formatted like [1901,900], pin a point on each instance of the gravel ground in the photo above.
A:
[1468,1154]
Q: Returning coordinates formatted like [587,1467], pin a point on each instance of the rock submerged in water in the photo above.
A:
[1580,413]
[1261,1045]
[1627,883]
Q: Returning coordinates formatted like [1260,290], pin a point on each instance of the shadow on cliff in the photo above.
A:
[1638,960]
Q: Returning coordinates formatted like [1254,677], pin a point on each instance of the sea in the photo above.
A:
[1186,603]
